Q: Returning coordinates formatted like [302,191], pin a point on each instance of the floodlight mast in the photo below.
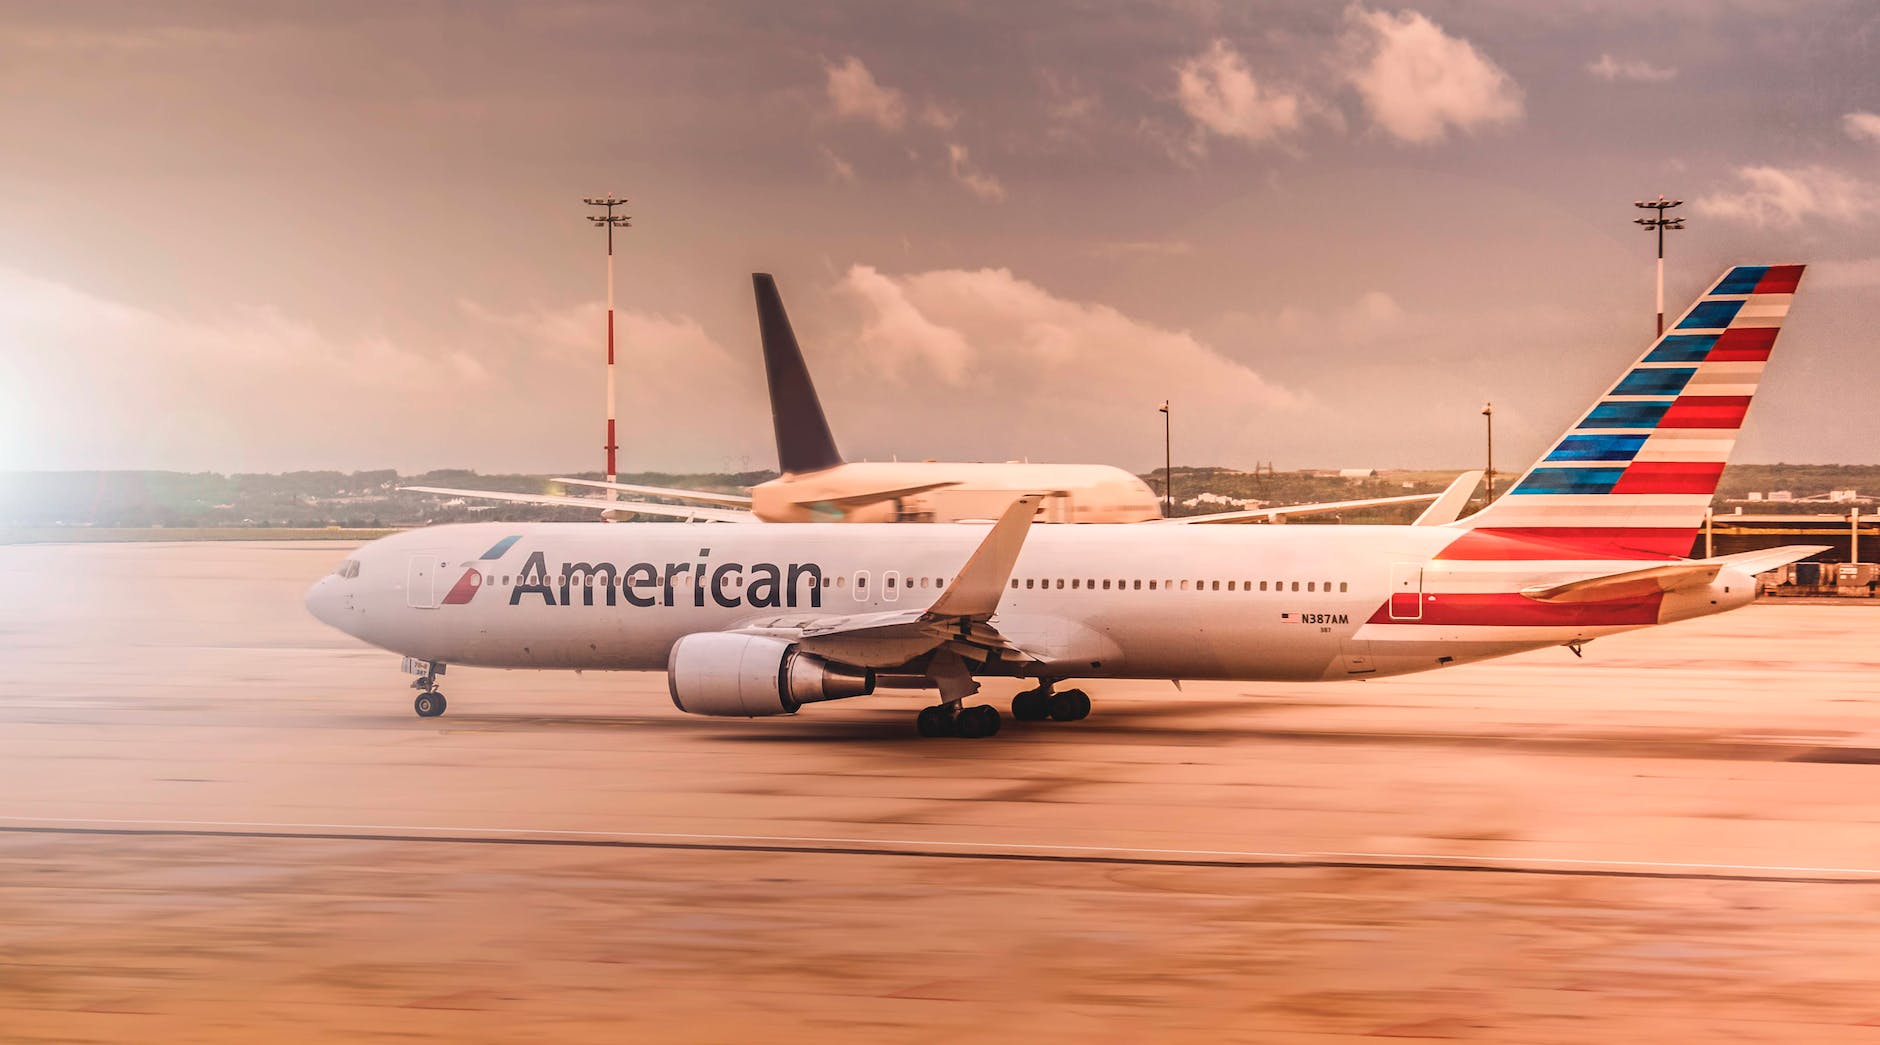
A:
[1659,222]
[610,221]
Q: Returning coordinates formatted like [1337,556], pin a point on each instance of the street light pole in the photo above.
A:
[611,221]
[1488,412]
[1168,467]
[1659,222]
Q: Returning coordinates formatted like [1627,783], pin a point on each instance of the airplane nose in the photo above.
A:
[323,601]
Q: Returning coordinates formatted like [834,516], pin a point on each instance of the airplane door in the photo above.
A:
[421,572]
[1406,591]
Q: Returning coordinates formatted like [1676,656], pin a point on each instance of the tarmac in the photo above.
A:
[220,821]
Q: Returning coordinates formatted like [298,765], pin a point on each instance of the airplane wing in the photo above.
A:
[1254,515]
[611,509]
[1448,508]
[1669,577]
[868,497]
[723,500]
[958,621]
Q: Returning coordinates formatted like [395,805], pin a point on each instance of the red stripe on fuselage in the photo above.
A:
[1514,610]
[1743,345]
[1706,412]
[465,590]
[1554,543]
[1780,279]
[1669,477]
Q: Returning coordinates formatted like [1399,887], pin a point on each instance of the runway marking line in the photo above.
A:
[939,848]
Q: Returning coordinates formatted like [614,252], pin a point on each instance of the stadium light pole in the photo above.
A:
[1168,467]
[1659,222]
[1488,413]
[610,221]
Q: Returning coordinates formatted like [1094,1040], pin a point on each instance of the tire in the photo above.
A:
[428,705]
[935,722]
[1030,706]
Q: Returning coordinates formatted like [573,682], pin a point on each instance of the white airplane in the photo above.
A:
[818,485]
[754,621]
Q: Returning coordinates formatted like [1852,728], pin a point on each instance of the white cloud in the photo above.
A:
[976,181]
[1862,273]
[1007,368]
[856,96]
[939,117]
[1862,126]
[1417,82]
[249,388]
[841,168]
[1637,70]
[1220,94]
[1775,196]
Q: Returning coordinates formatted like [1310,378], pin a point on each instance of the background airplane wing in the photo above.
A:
[723,500]
[868,497]
[1254,515]
[1448,508]
[614,509]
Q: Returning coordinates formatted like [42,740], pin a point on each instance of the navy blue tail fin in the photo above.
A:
[804,443]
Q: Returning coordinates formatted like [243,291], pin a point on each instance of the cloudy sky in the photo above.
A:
[239,236]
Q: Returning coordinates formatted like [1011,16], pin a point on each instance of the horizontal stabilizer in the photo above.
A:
[1765,559]
[605,508]
[1671,576]
[1448,508]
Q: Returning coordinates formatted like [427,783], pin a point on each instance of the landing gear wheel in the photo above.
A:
[936,721]
[429,705]
[1033,705]
[982,721]
[1070,705]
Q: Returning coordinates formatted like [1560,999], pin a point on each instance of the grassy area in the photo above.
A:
[111,534]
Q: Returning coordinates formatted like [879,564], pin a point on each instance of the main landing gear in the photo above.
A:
[948,720]
[1033,705]
[430,702]
[1036,705]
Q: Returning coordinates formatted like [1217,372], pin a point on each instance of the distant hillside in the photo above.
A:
[371,500]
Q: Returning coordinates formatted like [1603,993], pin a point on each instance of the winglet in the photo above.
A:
[804,443]
[981,582]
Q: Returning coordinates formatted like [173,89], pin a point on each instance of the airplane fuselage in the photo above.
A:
[1249,603]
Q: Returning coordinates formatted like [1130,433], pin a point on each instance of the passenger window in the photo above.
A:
[1262,585]
[1137,585]
[1341,585]
[1028,582]
[1230,585]
[1295,585]
[889,580]
[1073,584]
[1151,585]
[1184,585]
[1015,584]
[1215,585]
[840,580]
[1326,586]
[1106,584]
[1060,583]
[1312,586]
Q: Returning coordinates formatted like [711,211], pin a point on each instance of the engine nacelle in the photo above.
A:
[747,676]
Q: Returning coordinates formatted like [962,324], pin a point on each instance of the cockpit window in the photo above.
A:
[347,570]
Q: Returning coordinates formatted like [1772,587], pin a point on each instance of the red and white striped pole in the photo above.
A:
[611,221]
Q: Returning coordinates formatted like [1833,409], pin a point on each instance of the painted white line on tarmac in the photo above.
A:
[931,843]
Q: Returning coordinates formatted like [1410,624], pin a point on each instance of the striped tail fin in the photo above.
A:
[1633,478]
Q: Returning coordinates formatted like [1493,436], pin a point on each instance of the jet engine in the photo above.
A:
[746,676]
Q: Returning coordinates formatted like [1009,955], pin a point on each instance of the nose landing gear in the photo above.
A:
[430,702]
